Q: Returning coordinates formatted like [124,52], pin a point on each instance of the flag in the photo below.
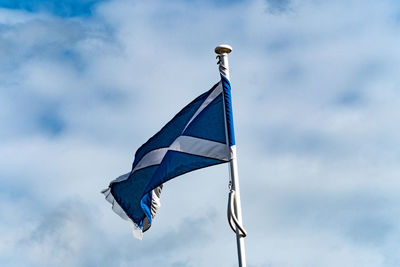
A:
[200,135]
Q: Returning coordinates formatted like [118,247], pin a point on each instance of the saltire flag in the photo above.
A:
[200,135]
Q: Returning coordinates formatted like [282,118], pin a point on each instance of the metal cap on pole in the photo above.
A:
[234,205]
[224,48]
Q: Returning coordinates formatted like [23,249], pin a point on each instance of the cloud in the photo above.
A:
[59,237]
[315,100]
[277,6]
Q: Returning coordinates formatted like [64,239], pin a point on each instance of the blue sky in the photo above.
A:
[69,8]
[315,92]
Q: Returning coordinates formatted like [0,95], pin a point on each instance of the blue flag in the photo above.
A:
[200,135]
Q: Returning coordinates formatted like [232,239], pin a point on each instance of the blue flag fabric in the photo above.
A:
[200,135]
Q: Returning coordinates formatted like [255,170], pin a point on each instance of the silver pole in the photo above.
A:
[223,51]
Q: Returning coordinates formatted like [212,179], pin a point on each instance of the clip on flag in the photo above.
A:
[200,135]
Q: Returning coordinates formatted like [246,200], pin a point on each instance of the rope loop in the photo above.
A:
[232,219]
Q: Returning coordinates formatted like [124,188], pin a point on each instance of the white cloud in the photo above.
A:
[315,103]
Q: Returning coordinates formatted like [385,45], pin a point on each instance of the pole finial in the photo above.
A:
[224,48]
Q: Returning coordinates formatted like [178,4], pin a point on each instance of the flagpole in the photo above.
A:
[234,197]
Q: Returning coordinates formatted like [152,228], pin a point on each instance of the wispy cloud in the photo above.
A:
[315,91]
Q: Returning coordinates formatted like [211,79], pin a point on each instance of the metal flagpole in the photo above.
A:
[234,206]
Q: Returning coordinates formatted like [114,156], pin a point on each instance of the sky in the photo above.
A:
[316,98]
